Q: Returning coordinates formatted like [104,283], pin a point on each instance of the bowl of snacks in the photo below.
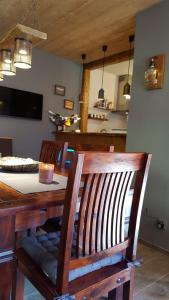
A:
[18,164]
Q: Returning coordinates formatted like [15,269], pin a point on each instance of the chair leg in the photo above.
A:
[19,288]
[128,287]
[116,294]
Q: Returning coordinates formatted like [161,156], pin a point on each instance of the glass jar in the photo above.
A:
[151,74]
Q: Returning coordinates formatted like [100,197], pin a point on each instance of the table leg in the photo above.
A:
[7,245]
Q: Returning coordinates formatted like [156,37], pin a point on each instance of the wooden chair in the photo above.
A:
[100,259]
[6,146]
[53,152]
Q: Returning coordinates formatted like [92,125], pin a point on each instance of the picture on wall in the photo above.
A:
[60,90]
[68,104]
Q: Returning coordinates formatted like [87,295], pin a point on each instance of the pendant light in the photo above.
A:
[126,90]
[83,56]
[23,53]
[101,91]
[6,63]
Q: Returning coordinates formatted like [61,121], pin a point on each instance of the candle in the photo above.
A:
[46,173]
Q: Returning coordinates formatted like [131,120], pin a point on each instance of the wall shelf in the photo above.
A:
[99,107]
[122,112]
[98,119]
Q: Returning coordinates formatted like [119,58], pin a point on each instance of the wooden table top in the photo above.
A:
[12,201]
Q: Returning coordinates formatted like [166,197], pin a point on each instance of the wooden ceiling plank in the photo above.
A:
[77,26]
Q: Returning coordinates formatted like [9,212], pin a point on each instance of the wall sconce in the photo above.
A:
[154,75]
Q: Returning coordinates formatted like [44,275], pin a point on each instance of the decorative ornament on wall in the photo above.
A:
[68,104]
[61,122]
[154,74]
[60,90]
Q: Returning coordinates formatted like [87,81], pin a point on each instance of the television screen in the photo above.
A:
[17,103]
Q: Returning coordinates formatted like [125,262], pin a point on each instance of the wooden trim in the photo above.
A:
[113,59]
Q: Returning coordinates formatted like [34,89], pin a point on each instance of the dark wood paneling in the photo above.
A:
[117,140]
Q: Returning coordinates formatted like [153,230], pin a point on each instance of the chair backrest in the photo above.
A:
[106,180]
[5,146]
[73,148]
[53,152]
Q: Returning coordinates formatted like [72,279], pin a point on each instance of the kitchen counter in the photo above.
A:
[118,139]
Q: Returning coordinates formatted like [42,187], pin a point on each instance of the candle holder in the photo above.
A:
[46,172]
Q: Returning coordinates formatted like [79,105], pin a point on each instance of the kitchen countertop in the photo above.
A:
[113,133]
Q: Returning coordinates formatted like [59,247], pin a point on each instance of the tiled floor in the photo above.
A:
[151,281]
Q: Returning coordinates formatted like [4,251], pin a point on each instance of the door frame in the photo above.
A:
[84,96]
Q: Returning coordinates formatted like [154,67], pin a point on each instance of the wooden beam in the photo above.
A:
[20,30]
[85,100]
[113,59]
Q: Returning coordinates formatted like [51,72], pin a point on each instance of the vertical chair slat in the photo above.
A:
[88,216]
[104,179]
[125,198]
[106,211]
[100,233]
[115,212]
[111,210]
[82,212]
[120,207]
[93,247]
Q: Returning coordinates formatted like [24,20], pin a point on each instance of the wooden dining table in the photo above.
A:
[19,212]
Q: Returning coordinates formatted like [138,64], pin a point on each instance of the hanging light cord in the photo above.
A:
[131,40]
[129,63]
[33,7]
[103,69]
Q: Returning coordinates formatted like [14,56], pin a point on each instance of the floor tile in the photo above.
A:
[159,290]
[151,271]
[147,253]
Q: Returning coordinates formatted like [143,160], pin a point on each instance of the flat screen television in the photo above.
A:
[17,103]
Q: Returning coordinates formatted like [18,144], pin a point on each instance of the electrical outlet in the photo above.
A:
[161,224]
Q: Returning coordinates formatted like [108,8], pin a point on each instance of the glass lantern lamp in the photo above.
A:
[6,63]
[151,74]
[23,53]
[101,91]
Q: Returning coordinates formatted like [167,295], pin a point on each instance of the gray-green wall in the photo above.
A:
[148,128]
[47,70]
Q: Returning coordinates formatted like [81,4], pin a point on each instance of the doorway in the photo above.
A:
[114,79]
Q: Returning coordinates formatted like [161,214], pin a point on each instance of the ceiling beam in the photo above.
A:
[113,59]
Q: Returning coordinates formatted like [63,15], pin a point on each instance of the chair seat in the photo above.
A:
[43,249]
